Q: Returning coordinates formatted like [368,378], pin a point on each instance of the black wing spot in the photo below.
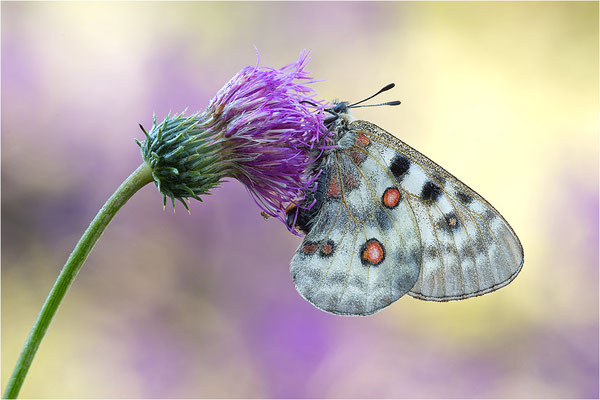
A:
[416,254]
[463,197]
[441,181]
[431,252]
[489,215]
[400,166]
[430,191]
[452,220]
[442,225]
[327,248]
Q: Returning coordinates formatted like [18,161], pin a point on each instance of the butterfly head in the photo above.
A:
[340,111]
[340,107]
[340,116]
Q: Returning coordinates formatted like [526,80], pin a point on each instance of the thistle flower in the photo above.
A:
[260,129]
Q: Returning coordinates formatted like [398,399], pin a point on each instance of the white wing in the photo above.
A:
[468,248]
[359,256]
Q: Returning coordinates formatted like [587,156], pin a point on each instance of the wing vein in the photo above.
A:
[442,276]
[349,271]
[379,227]
[462,278]
[331,263]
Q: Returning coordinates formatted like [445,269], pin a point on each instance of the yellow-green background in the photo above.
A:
[503,95]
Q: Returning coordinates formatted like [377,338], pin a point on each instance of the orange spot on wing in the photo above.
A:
[310,248]
[361,140]
[391,197]
[372,253]
[358,156]
[334,187]
[351,180]
[327,249]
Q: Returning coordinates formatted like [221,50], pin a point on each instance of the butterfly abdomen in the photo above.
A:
[306,213]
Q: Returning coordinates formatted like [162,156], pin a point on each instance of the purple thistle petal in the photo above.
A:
[260,129]
[270,130]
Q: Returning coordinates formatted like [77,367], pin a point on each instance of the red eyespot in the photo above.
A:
[372,252]
[361,140]
[391,197]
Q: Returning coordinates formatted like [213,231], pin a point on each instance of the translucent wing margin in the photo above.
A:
[468,249]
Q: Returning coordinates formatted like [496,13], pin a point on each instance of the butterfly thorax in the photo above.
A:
[340,137]
[338,124]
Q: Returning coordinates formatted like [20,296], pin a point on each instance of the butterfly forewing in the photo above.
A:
[468,249]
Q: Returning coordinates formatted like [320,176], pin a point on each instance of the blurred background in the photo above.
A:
[503,95]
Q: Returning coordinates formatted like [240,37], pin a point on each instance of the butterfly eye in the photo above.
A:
[339,108]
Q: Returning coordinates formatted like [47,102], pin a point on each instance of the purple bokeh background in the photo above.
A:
[178,305]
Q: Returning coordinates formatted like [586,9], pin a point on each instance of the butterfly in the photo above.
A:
[382,220]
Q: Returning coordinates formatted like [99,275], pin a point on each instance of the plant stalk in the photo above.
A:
[140,177]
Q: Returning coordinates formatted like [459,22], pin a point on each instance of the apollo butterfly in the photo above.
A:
[383,220]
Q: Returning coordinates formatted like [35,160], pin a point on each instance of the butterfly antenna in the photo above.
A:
[309,102]
[384,89]
[388,103]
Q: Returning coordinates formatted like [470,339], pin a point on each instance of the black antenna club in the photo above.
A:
[384,89]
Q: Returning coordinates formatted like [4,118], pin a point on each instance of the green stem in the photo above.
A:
[132,184]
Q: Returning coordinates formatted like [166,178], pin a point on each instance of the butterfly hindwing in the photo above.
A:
[374,258]
[468,249]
